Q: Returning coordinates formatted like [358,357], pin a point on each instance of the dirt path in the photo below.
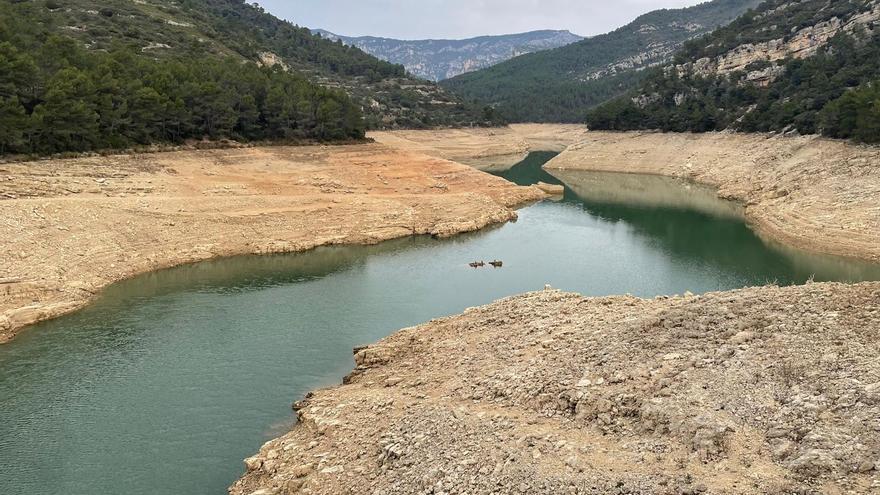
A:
[812,193]
[765,390]
[71,227]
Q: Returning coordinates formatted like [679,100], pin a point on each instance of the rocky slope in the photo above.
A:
[764,390]
[436,60]
[808,192]
[789,66]
[562,85]
[798,44]
[71,227]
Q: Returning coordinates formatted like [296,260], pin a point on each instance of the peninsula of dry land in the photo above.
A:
[71,227]
[757,391]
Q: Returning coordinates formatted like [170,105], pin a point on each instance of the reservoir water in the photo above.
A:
[169,380]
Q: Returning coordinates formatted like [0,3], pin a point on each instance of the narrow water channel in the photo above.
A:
[171,379]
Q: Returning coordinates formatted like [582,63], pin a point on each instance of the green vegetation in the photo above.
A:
[834,92]
[223,28]
[56,96]
[85,75]
[855,115]
[561,85]
[772,20]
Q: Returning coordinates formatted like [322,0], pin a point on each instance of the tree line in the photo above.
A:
[58,96]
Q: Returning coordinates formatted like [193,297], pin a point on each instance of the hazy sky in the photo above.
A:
[417,19]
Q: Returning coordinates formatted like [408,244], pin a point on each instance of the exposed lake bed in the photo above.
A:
[226,345]
[186,371]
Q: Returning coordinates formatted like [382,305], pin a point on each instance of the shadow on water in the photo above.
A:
[170,379]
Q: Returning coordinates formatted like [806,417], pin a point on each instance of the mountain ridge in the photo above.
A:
[195,29]
[439,59]
[808,67]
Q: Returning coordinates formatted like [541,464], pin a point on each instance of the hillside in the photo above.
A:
[561,85]
[81,75]
[811,66]
[57,95]
[436,60]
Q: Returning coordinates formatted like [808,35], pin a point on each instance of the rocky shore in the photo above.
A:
[71,227]
[762,390]
[765,390]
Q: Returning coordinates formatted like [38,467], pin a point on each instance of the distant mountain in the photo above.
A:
[809,66]
[562,84]
[436,60]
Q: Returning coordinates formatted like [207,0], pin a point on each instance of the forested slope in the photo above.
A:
[561,85]
[82,75]
[810,66]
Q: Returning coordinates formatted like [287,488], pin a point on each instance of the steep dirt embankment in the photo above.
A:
[485,149]
[811,193]
[765,390]
[71,227]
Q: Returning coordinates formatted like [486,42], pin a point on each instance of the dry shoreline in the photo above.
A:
[817,194]
[72,227]
[765,390]
[760,390]
[488,149]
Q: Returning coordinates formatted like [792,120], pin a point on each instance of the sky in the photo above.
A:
[420,19]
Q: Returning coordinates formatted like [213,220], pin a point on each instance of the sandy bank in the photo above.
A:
[764,390]
[486,149]
[71,227]
[816,194]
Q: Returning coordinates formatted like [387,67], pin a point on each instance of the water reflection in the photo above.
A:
[690,222]
[247,273]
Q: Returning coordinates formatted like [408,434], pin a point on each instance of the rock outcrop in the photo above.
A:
[802,43]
